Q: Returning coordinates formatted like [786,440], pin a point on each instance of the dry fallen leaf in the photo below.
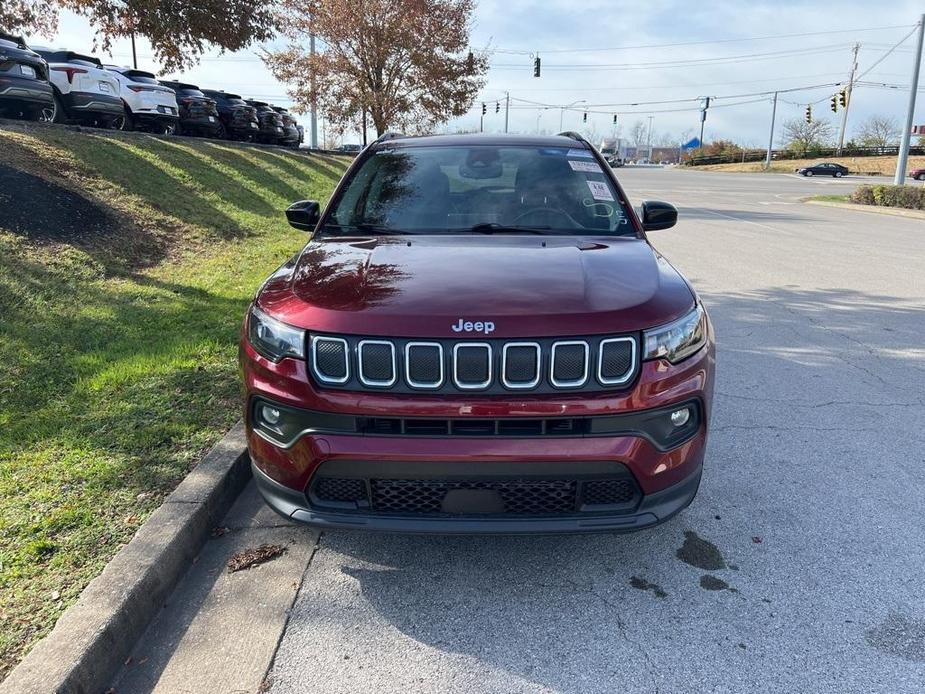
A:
[254,556]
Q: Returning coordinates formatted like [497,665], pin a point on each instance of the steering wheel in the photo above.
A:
[546,210]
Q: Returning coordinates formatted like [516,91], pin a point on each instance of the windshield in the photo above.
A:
[480,189]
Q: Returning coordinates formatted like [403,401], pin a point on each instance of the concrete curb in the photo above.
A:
[93,637]
[876,209]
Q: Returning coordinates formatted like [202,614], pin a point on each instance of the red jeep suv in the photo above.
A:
[478,338]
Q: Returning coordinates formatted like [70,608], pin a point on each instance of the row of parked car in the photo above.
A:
[61,85]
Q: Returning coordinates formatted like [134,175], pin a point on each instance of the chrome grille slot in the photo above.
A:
[330,359]
[616,360]
[424,364]
[569,364]
[376,363]
[472,365]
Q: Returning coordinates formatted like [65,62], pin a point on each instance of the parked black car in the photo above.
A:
[291,136]
[825,169]
[238,120]
[198,115]
[25,91]
[271,123]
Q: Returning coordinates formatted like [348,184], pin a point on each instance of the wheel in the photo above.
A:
[808,173]
[167,128]
[221,132]
[920,177]
[46,114]
[838,174]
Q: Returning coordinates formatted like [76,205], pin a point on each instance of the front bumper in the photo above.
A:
[653,509]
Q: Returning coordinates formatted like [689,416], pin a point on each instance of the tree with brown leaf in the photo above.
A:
[179,30]
[406,63]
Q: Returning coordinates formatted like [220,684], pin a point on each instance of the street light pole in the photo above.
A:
[767,161]
[649,140]
[903,158]
[562,110]
[507,109]
[314,116]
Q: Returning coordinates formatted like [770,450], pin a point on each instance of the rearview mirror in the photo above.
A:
[658,215]
[304,215]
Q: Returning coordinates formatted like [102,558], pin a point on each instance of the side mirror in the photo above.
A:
[304,215]
[658,215]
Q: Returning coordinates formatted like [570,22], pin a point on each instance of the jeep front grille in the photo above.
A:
[470,366]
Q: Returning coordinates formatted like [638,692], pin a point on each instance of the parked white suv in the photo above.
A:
[84,91]
[148,105]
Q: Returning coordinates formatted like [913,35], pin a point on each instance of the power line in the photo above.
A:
[815,50]
[699,43]
[885,55]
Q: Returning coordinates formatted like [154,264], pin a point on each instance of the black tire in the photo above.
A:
[43,115]
[168,128]
[808,173]
[920,177]
[222,133]
[838,174]
[58,116]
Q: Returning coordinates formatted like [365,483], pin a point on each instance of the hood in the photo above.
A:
[526,286]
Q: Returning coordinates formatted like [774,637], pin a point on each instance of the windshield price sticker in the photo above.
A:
[599,190]
[586,166]
[583,153]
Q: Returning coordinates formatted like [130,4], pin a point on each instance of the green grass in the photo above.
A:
[118,354]
[830,198]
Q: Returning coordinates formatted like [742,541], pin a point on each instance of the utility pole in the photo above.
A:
[507,109]
[134,55]
[767,161]
[649,140]
[844,114]
[314,117]
[903,158]
[364,126]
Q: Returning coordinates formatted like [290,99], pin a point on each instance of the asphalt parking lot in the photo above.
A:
[797,568]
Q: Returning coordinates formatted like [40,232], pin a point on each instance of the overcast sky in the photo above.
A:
[622,73]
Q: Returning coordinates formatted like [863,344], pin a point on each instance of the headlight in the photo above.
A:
[274,339]
[678,340]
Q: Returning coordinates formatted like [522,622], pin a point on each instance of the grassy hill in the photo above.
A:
[126,265]
[873,165]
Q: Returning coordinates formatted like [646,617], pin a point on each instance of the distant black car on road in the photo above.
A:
[271,130]
[198,115]
[25,91]
[349,149]
[826,169]
[238,121]
[291,136]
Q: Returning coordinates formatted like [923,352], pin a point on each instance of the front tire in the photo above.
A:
[808,173]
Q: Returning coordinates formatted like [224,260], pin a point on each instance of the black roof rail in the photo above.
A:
[389,136]
[574,136]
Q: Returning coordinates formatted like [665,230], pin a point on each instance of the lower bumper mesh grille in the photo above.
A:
[504,497]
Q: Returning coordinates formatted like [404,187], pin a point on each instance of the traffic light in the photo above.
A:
[615,119]
[584,118]
[536,66]
[809,114]
[497,107]
[484,108]
[843,98]
[834,104]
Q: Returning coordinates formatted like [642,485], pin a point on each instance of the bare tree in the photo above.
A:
[178,31]
[406,63]
[638,132]
[879,131]
[802,136]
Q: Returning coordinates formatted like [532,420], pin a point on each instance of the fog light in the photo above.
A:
[270,415]
[680,417]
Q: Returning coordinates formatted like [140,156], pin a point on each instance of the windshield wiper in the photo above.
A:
[370,229]
[495,228]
